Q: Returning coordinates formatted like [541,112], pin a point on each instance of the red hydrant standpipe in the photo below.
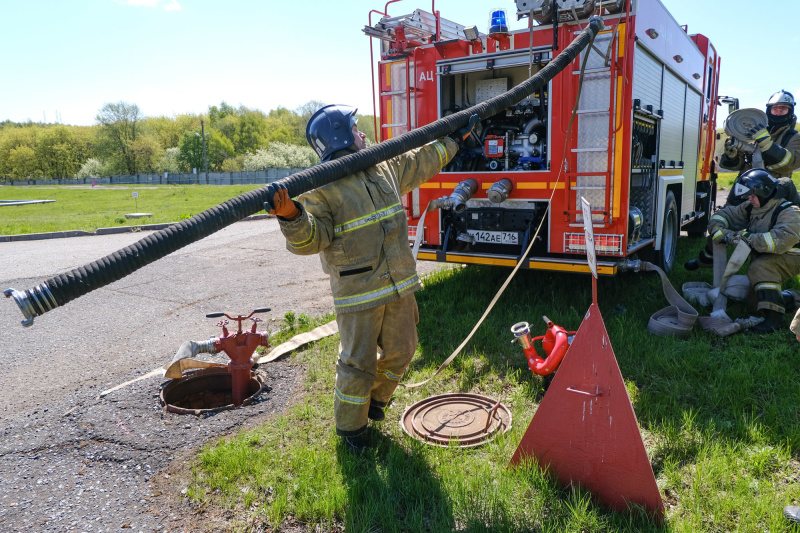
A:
[555,343]
[240,347]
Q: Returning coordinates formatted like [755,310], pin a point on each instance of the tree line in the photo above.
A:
[124,141]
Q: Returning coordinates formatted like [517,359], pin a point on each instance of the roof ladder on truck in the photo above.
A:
[397,83]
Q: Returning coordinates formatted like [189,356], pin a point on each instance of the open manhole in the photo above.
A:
[461,419]
[205,391]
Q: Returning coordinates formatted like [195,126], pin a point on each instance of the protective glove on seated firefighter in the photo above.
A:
[770,225]
[778,142]
[359,228]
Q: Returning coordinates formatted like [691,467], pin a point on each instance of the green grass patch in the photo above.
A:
[719,418]
[88,209]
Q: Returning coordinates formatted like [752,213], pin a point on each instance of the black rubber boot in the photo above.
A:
[376,412]
[355,445]
[773,322]
[691,264]
[792,513]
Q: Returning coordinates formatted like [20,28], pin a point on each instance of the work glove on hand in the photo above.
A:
[461,135]
[282,205]
[760,136]
[724,236]
[745,236]
[730,148]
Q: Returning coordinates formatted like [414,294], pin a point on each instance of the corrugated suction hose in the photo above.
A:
[63,288]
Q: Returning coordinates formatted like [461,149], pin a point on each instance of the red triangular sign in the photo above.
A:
[585,431]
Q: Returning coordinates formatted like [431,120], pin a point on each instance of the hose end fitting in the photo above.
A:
[32,302]
[463,192]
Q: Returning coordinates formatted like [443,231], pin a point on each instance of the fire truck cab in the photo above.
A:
[632,132]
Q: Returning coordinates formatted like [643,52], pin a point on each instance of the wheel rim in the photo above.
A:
[670,236]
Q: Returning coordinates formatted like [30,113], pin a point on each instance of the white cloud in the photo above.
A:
[167,5]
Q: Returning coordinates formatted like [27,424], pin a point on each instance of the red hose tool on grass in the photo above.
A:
[554,343]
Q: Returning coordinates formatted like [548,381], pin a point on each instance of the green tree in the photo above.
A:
[147,151]
[169,161]
[23,164]
[118,131]
[219,149]
[11,139]
[190,151]
[61,150]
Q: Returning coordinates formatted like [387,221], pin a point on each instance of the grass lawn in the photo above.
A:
[720,418]
[87,208]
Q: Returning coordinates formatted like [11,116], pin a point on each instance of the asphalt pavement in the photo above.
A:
[70,461]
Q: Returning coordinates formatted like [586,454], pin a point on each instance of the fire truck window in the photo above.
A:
[709,82]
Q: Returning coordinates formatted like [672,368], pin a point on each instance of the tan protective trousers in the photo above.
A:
[766,273]
[364,374]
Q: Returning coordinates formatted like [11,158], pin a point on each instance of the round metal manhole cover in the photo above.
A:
[461,419]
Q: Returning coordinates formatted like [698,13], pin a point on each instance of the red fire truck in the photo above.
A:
[640,148]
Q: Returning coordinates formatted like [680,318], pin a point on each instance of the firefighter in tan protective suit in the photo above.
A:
[359,227]
[770,224]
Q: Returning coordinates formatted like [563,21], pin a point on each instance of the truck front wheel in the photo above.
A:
[665,257]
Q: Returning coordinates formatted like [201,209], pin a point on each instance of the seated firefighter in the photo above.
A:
[358,226]
[770,225]
[778,141]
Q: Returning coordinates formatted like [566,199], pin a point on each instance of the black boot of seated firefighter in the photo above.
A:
[376,412]
[773,322]
[705,259]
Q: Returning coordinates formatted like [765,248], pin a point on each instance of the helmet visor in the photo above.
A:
[742,191]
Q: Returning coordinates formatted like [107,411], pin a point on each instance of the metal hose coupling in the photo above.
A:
[457,201]
[33,302]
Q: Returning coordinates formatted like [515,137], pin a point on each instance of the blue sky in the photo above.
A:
[66,58]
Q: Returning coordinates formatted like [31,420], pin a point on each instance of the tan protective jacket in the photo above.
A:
[779,160]
[359,227]
[765,237]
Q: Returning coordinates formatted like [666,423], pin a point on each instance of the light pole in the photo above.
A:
[205,155]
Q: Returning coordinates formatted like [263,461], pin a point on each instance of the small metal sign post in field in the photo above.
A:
[135,195]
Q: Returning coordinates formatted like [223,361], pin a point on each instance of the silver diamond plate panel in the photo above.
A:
[597,60]
[592,162]
[596,91]
[593,131]
[595,196]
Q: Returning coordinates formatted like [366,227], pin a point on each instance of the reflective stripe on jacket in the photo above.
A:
[359,227]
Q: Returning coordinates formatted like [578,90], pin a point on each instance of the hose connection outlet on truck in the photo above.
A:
[457,201]
[555,343]
[500,190]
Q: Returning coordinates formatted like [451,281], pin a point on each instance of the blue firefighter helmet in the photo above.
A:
[331,129]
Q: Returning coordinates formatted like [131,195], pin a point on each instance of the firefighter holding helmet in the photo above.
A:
[359,228]
[770,224]
[779,143]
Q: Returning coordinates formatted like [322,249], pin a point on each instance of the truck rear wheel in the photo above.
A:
[665,257]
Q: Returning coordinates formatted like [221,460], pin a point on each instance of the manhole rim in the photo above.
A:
[204,372]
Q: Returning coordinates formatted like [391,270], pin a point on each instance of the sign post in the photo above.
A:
[135,195]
